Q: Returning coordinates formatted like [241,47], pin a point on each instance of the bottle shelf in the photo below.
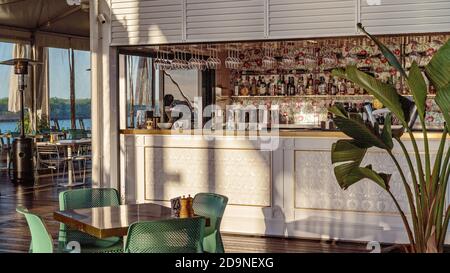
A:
[315,96]
[306,96]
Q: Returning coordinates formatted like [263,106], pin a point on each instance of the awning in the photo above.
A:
[53,23]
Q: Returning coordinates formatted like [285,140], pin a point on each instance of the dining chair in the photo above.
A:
[41,240]
[83,157]
[178,235]
[212,206]
[81,122]
[56,124]
[77,134]
[49,157]
[89,198]
[9,156]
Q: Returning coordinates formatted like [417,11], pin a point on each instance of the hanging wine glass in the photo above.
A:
[288,59]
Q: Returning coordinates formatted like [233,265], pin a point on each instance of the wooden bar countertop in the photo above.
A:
[296,133]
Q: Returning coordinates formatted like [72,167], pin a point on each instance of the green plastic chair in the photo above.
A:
[41,240]
[212,206]
[89,198]
[166,236]
[77,133]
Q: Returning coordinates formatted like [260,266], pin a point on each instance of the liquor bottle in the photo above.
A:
[310,85]
[282,86]
[291,86]
[330,86]
[301,86]
[272,87]
[262,86]
[237,87]
[322,86]
[333,87]
[253,86]
[350,88]
[245,87]
[342,88]
[359,90]
[431,89]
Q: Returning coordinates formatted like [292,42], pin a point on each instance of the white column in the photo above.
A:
[105,134]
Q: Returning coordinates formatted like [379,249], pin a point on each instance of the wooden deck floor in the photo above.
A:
[15,236]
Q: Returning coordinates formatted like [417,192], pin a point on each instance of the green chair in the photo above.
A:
[212,206]
[89,198]
[77,134]
[41,240]
[167,236]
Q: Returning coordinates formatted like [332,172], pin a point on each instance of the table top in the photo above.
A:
[105,222]
[73,141]
[68,142]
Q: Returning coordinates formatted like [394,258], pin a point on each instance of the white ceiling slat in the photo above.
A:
[167,21]
[231,23]
[224,20]
[143,4]
[298,19]
[406,16]
[146,21]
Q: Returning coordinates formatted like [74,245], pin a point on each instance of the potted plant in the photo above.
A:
[426,189]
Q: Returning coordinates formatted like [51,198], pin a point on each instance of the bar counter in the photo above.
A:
[278,184]
[308,133]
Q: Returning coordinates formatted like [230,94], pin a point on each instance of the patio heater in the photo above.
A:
[22,146]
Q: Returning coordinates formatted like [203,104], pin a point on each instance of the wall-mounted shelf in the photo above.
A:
[366,96]
[306,96]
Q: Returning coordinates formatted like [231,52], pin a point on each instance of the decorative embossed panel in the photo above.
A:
[244,176]
[317,188]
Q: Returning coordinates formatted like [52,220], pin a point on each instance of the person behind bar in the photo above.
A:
[169,104]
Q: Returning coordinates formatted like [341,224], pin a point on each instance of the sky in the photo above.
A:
[59,72]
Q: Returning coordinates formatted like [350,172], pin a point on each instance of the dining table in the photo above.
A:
[104,222]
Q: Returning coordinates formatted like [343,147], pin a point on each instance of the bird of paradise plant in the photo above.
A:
[426,188]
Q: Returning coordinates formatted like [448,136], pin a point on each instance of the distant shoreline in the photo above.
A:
[9,120]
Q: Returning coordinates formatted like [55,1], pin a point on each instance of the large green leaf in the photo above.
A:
[438,69]
[386,134]
[345,150]
[418,88]
[443,101]
[383,92]
[354,127]
[386,51]
[347,156]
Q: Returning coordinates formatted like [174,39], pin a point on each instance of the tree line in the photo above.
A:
[59,109]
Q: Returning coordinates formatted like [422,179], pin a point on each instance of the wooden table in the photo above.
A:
[105,222]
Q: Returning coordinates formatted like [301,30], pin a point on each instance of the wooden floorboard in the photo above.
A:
[15,236]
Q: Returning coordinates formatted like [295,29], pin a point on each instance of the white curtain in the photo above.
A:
[19,51]
[42,83]
[144,84]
